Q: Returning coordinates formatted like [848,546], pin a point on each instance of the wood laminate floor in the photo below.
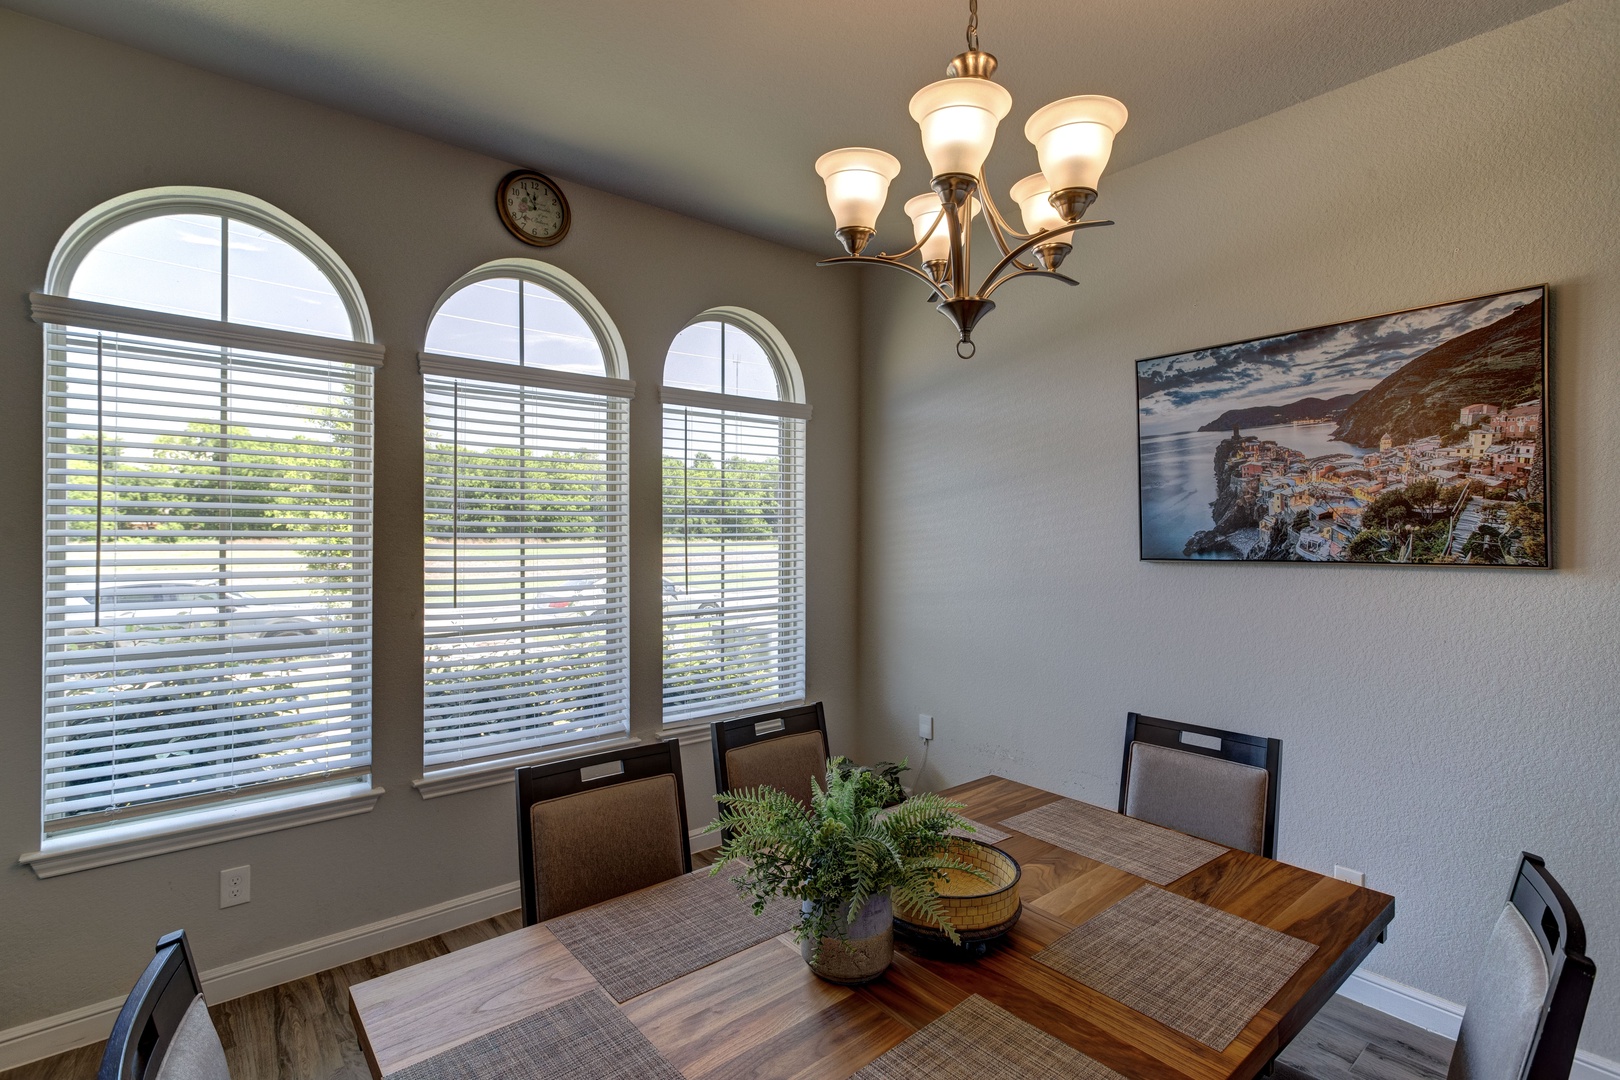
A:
[301,1030]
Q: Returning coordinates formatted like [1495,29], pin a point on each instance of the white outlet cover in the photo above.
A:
[925,726]
[235,886]
[1354,877]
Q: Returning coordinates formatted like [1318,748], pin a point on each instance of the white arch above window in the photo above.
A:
[528,314]
[212,255]
[711,364]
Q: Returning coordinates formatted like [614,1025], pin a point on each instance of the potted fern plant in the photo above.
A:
[844,861]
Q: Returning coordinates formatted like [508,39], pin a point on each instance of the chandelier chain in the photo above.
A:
[973,26]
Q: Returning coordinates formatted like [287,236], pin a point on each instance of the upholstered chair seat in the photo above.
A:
[593,828]
[163,1032]
[1222,801]
[195,1052]
[595,845]
[785,749]
[1203,781]
[789,763]
[1504,1005]
[1528,1001]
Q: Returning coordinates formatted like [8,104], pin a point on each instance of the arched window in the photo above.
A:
[208,510]
[527,528]
[734,420]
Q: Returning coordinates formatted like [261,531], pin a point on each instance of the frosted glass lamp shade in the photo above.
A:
[1074,138]
[1033,196]
[857,184]
[922,210]
[958,118]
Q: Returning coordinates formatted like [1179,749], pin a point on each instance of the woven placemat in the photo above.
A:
[654,936]
[1154,854]
[583,1038]
[978,1039]
[981,832]
[1187,965]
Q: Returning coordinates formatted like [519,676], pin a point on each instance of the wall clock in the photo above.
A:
[533,208]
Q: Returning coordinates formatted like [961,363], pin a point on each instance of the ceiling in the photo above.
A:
[719,108]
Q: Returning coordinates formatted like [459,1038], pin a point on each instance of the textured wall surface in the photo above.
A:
[1435,721]
[85,120]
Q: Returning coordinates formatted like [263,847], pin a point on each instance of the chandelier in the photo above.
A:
[958,116]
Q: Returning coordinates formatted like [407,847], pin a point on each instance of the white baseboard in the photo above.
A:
[1423,1009]
[702,841]
[80,1027]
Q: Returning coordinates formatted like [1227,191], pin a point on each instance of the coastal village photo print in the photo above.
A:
[1417,437]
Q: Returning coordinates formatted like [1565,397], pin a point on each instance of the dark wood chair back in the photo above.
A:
[1562,936]
[595,774]
[1234,746]
[145,1027]
[762,727]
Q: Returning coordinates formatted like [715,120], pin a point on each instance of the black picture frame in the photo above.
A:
[1352,443]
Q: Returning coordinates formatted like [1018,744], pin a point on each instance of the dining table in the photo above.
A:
[1057,978]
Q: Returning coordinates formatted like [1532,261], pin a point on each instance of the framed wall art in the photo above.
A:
[1415,437]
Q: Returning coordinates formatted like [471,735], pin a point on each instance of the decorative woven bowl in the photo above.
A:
[981,911]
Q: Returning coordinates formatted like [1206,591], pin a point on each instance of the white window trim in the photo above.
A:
[493,772]
[791,405]
[565,285]
[159,834]
[105,844]
[65,311]
[461,367]
[99,222]
[707,399]
[454,779]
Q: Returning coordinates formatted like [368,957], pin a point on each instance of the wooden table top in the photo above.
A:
[761,1013]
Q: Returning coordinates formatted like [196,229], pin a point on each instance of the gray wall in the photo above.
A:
[1435,721]
[85,120]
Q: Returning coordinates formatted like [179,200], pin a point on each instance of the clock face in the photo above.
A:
[533,208]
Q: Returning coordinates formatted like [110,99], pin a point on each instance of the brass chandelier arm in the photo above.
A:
[993,213]
[914,247]
[1065,278]
[883,260]
[990,283]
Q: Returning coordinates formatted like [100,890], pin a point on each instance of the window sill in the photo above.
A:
[127,841]
[454,779]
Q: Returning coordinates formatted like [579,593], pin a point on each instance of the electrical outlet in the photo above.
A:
[235,886]
[925,727]
[1354,877]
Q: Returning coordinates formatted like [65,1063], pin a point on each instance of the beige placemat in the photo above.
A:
[1187,965]
[1154,854]
[981,831]
[651,937]
[583,1038]
[979,1040]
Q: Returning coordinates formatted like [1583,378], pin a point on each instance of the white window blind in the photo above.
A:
[208,569]
[527,621]
[733,554]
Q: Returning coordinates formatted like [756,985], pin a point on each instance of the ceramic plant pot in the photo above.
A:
[865,955]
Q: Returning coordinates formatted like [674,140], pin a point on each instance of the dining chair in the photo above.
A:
[1529,995]
[785,749]
[163,1032]
[593,828]
[1218,785]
